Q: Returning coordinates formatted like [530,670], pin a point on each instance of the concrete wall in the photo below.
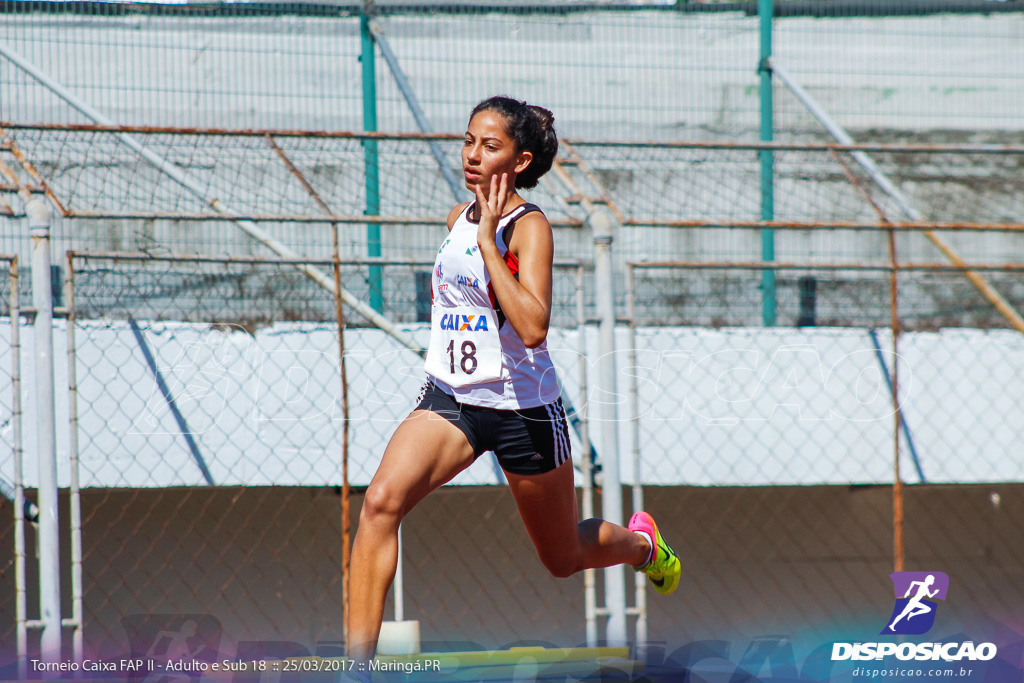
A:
[264,563]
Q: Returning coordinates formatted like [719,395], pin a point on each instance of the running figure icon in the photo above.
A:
[915,606]
[918,595]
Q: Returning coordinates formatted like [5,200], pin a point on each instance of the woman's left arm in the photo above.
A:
[526,302]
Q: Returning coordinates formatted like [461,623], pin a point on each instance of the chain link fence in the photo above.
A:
[677,201]
[648,70]
[209,388]
[210,432]
[211,420]
[784,440]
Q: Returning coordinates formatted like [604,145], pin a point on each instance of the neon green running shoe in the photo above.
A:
[664,568]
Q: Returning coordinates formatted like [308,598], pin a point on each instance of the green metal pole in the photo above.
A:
[765,10]
[373,246]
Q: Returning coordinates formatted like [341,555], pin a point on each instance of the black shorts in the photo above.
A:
[526,441]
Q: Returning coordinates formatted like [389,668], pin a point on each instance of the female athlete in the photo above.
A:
[491,385]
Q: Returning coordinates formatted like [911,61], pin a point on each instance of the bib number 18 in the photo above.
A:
[465,348]
[468,362]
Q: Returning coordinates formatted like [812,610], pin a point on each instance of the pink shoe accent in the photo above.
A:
[641,521]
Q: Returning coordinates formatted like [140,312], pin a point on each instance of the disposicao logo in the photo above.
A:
[916,592]
[914,614]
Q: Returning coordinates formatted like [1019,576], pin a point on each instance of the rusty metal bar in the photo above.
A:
[301,178]
[897,488]
[277,218]
[12,187]
[606,199]
[826,225]
[205,258]
[346,521]
[231,132]
[806,146]
[36,176]
[15,181]
[209,258]
[757,265]
[894,322]
[568,223]
[982,285]
[578,142]
[346,488]
[859,186]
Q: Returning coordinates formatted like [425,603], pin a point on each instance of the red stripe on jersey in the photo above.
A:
[513,265]
[512,262]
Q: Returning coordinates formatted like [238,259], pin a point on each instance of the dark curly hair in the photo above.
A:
[532,128]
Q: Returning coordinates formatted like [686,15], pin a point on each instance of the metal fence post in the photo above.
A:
[21,596]
[765,11]
[602,223]
[368,59]
[46,440]
[75,493]
[586,462]
[639,578]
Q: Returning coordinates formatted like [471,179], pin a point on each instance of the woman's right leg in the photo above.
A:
[425,452]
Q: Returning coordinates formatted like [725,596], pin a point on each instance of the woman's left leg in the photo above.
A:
[547,504]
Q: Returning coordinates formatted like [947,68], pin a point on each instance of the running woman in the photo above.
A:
[491,385]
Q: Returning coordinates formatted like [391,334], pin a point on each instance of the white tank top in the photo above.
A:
[467,359]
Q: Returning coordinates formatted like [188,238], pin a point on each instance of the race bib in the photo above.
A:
[464,345]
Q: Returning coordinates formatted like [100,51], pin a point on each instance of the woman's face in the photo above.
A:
[488,151]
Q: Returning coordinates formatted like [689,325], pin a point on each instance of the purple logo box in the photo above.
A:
[901,582]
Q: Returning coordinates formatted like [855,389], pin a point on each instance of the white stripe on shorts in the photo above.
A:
[558,438]
[556,444]
[563,422]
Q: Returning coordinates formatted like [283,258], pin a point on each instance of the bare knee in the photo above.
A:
[562,566]
[382,506]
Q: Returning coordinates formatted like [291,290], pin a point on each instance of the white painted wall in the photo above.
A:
[736,406]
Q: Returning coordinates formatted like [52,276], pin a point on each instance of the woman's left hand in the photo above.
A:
[490,209]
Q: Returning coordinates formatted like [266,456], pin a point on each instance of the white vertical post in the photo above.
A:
[399,583]
[46,440]
[21,598]
[601,223]
[589,575]
[75,497]
[639,578]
